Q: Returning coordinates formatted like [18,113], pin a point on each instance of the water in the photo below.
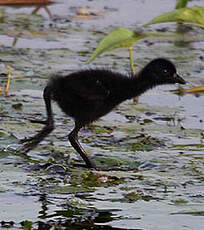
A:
[156,146]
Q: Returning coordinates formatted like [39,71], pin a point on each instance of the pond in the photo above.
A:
[155,148]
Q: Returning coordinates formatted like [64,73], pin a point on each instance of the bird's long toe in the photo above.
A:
[26,148]
[26,140]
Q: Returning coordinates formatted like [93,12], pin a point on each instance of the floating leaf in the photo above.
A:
[27,225]
[180,201]
[195,213]
[119,38]
[193,15]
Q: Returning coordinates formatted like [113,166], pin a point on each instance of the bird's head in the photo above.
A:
[162,71]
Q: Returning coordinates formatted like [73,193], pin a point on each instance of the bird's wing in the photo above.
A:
[90,89]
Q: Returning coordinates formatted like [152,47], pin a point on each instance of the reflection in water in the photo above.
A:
[73,218]
[43,212]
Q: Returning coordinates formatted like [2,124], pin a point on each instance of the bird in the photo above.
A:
[87,95]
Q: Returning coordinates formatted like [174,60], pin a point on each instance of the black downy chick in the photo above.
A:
[87,95]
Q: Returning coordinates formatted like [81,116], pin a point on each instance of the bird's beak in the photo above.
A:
[179,79]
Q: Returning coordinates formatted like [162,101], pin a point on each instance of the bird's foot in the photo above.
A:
[26,147]
[26,140]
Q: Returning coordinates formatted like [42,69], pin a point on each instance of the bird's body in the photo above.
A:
[90,94]
[96,92]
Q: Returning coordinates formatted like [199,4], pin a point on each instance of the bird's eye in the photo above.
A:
[165,71]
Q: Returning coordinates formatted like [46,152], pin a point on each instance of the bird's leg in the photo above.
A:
[48,128]
[73,138]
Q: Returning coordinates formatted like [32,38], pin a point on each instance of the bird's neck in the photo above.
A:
[138,84]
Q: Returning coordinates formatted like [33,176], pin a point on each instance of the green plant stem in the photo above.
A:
[131,61]
[181,4]
[135,99]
